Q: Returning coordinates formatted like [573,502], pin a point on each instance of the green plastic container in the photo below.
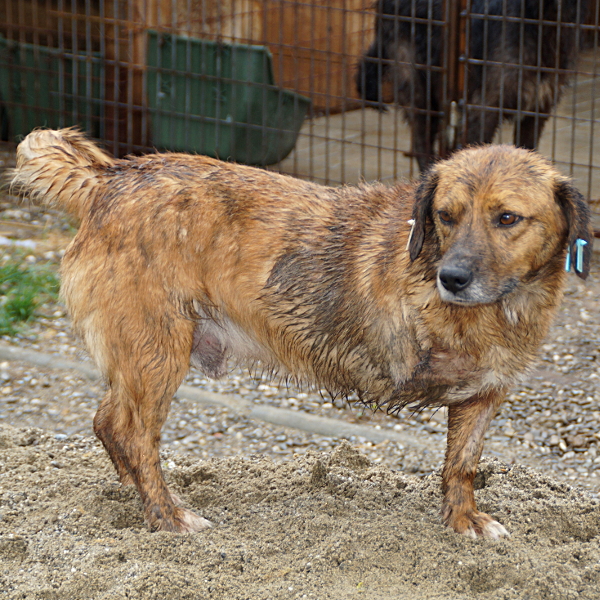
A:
[220,100]
[45,87]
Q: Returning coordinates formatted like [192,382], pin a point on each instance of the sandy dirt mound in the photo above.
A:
[321,526]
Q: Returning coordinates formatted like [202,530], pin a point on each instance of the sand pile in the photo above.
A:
[321,526]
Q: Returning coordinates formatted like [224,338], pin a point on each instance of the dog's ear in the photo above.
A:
[578,215]
[422,211]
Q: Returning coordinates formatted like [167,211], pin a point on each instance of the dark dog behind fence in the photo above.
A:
[519,56]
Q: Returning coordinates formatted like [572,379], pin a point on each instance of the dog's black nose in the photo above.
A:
[455,279]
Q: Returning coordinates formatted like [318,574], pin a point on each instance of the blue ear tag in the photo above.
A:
[579,256]
[579,244]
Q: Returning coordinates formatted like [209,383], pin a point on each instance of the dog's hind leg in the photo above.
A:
[142,381]
[102,429]
[467,424]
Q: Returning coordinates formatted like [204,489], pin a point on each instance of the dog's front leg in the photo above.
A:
[467,424]
[425,130]
[528,131]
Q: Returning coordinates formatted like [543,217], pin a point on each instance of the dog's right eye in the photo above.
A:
[445,217]
[508,219]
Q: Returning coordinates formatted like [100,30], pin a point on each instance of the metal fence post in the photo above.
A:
[454,61]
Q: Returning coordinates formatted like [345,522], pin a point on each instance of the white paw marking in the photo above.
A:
[495,530]
[492,530]
[193,522]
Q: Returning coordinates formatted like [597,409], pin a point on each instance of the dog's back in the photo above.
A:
[530,33]
[174,221]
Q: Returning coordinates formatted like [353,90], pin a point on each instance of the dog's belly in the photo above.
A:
[215,341]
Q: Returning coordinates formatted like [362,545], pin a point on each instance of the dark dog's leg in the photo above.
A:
[131,417]
[467,424]
[529,131]
[425,129]
[481,126]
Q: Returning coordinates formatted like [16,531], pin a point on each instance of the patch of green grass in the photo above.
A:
[23,288]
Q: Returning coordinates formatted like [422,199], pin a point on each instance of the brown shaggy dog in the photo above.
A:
[183,259]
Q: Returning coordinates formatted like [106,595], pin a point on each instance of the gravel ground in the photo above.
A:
[549,422]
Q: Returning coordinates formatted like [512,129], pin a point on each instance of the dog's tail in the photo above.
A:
[59,167]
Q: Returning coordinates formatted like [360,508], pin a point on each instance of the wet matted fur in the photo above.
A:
[183,259]
[529,56]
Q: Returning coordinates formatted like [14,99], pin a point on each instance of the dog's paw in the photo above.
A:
[477,524]
[180,520]
[190,522]
[177,501]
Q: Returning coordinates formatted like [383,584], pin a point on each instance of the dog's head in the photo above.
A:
[499,215]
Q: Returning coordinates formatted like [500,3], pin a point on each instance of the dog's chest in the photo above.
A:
[447,375]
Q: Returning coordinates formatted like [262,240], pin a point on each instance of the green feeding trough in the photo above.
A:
[220,100]
[47,87]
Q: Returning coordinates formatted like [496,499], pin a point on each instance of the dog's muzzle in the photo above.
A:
[455,278]
[464,284]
